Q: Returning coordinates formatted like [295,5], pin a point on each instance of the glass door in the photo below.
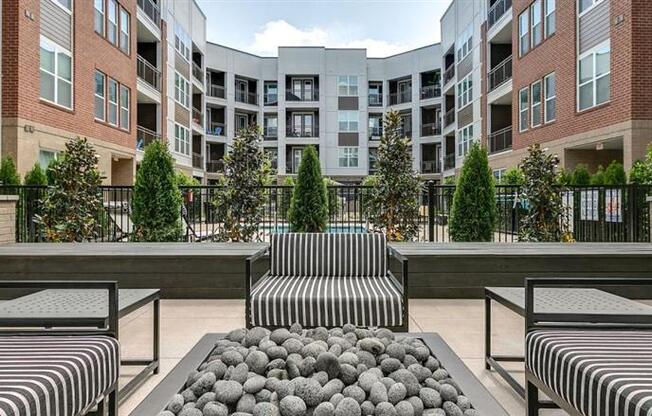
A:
[242,88]
[296,159]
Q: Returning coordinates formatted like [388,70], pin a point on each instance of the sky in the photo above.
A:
[384,27]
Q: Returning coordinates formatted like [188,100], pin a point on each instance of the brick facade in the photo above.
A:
[8,219]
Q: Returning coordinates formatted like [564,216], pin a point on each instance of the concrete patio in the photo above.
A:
[459,321]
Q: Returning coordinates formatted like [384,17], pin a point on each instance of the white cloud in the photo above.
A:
[281,33]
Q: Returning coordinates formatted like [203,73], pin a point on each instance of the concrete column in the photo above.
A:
[8,219]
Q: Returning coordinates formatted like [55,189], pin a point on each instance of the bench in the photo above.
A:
[321,279]
[594,365]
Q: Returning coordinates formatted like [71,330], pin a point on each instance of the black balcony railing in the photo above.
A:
[270,98]
[431,129]
[197,72]
[215,129]
[449,117]
[449,161]
[145,136]
[449,73]
[500,74]
[148,73]
[216,91]
[497,10]
[246,97]
[215,166]
[375,99]
[197,116]
[270,133]
[197,160]
[430,166]
[304,132]
[306,95]
[430,91]
[400,97]
[500,140]
[375,132]
[151,10]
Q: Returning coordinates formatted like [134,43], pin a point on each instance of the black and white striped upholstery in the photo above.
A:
[598,372]
[55,375]
[327,280]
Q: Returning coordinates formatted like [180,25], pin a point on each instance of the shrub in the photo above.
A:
[641,173]
[8,173]
[240,202]
[581,176]
[394,201]
[156,201]
[473,214]
[615,174]
[598,178]
[36,176]
[72,205]
[541,221]
[334,200]
[513,176]
[564,178]
[309,206]
[51,167]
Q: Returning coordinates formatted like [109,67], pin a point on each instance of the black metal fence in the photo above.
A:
[590,213]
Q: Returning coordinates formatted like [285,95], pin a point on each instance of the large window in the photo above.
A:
[99,16]
[536,24]
[464,140]
[182,42]
[348,121]
[584,5]
[348,157]
[125,105]
[465,92]
[550,104]
[100,96]
[347,85]
[112,24]
[113,102]
[65,4]
[181,90]
[465,42]
[124,30]
[46,157]
[535,108]
[523,109]
[524,32]
[551,18]
[594,77]
[181,139]
[55,73]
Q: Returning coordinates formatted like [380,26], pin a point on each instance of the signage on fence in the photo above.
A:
[613,211]
[568,211]
[589,205]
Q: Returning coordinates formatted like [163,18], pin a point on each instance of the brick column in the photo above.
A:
[8,219]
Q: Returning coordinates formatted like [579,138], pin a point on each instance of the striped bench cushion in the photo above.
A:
[55,375]
[326,301]
[324,254]
[599,373]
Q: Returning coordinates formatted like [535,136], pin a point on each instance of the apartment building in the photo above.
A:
[570,75]
[333,99]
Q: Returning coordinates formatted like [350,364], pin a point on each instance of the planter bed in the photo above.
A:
[338,372]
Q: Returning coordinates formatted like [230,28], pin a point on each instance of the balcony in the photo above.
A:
[449,117]
[216,91]
[197,116]
[270,98]
[151,10]
[449,161]
[215,166]
[449,73]
[431,129]
[197,160]
[301,95]
[406,132]
[246,97]
[198,73]
[270,133]
[400,97]
[500,74]
[500,140]
[148,73]
[430,166]
[375,133]
[303,133]
[214,128]
[375,99]
[145,136]
[497,10]
[431,91]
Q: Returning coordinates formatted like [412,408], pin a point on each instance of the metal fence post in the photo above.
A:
[431,210]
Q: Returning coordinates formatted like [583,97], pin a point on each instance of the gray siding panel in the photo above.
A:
[348,139]
[594,27]
[347,103]
[56,24]
[465,116]
[465,66]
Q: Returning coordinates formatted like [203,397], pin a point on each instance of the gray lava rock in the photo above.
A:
[366,358]
[310,391]
[408,379]
[432,383]
[385,409]
[332,387]
[228,392]
[378,393]
[328,362]
[463,403]
[237,335]
[276,352]
[432,363]
[355,393]
[367,380]
[292,345]
[218,368]
[471,412]
[166,413]
[452,409]
[417,405]
[292,369]
[367,408]
[246,403]
[336,399]
[254,336]
[254,384]
[279,336]
[388,382]
[389,365]
[404,408]
[190,411]
[205,398]
[296,328]
[420,372]
[372,345]
[263,396]
[348,358]
[240,373]
[448,393]
[348,328]
[434,412]
[215,409]
[348,374]
[396,393]
[313,350]
[348,407]
[188,396]
[266,409]
[231,358]
[430,398]
[204,384]
[320,334]
[321,377]
[176,404]
[257,362]
[384,333]
[307,366]
[324,409]
[395,350]
[292,406]
[440,374]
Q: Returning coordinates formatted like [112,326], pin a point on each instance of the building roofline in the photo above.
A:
[200,9]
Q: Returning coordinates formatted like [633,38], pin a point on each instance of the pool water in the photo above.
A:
[333,229]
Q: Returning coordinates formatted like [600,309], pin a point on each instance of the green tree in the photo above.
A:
[240,202]
[513,176]
[581,176]
[615,174]
[51,168]
[394,200]
[473,214]
[641,173]
[541,221]
[8,173]
[36,176]
[598,178]
[309,206]
[72,205]
[156,203]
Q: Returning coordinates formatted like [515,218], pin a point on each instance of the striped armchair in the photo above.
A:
[328,280]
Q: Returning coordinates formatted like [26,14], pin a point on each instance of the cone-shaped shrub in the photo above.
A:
[615,174]
[8,173]
[598,178]
[309,206]
[156,205]
[581,176]
[36,176]
[474,204]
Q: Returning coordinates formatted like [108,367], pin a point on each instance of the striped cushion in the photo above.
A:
[326,301]
[324,254]
[599,373]
[55,375]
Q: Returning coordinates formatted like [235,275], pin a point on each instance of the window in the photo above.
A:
[271,92]
[348,121]
[99,16]
[100,95]
[499,173]
[113,102]
[348,157]
[112,25]
[270,124]
[523,33]
[124,30]
[125,103]
[551,21]
[594,77]
[536,24]
[465,92]
[347,86]
[65,4]
[535,110]
[584,5]
[182,42]
[464,140]
[181,139]
[55,73]
[523,108]
[46,157]
[181,90]
[550,110]
[465,41]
